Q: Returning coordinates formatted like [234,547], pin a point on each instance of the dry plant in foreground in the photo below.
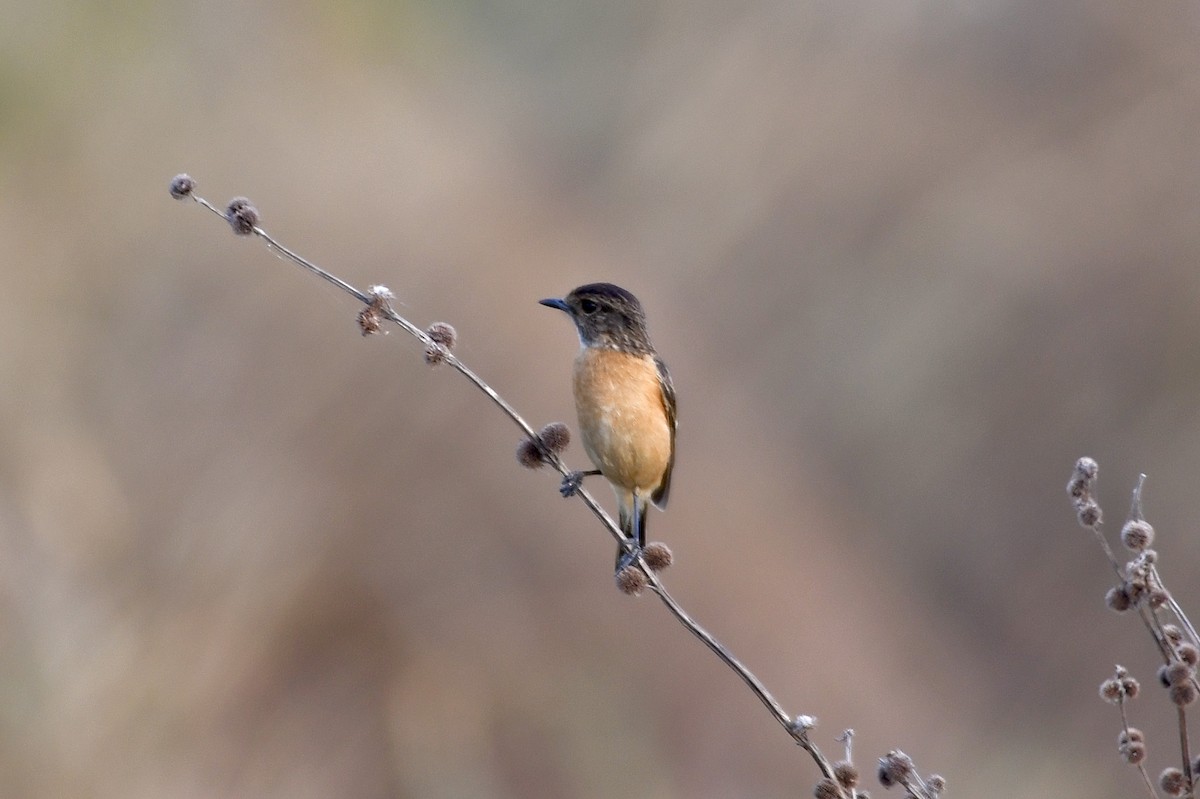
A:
[1140,589]
[840,779]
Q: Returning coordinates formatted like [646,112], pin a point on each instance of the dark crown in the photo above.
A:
[609,316]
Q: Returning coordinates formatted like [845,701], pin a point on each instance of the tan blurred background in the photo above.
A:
[906,260]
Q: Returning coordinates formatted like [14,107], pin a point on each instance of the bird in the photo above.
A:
[625,403]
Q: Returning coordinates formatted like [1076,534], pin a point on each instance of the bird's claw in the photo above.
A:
[629,556]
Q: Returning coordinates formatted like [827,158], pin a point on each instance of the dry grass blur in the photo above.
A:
[906,260]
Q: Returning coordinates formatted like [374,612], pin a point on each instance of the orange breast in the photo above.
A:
[622,418]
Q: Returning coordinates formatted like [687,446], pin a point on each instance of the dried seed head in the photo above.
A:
[242,216]
[443,333]
[1136,535]
[631,580]
[369,320]
[1188,654]
[1130,735]
[1172,633]
[1183,693]
[1157,598]
[1172,781]
[1134,753]
[182,186]
[894,767]
[528,454]
[1130,687]
[935,783]
[1110,690]
[1088,513]
[846,774]
[1087,468]
[658,556]
[1077,487]
[555,437]
[826,789]
[1177,672]
[1118,599]
[442,338]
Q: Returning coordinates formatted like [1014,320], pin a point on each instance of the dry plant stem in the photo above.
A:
[390,314]
[1135,512]
[1160,638]
[1141,767]
[1152,620]
[797,732]
[1185,753]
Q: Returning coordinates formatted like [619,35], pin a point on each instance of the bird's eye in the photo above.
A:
[588,306]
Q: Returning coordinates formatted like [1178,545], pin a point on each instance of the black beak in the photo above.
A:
[554,303]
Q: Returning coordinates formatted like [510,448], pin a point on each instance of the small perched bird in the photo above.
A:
[625,402]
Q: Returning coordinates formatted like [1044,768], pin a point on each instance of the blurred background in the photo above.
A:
[907,261]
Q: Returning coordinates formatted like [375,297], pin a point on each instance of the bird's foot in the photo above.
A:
[629,555]
[573,482]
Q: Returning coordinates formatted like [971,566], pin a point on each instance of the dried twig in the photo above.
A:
[543,447]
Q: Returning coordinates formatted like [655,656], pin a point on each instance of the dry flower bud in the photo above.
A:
[555,437]
[826,789]
[182,186]
[1183,693]
[1176,672]
[894,767]
[846,774]
[1134,753]
[242,216]
[369,320]
[528,454]
[1089,513]
[1118,599]
[1087,468]
[1172,781]
[443,333]
[1136,535]
[1129,736]
[657,555]
[631,580]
